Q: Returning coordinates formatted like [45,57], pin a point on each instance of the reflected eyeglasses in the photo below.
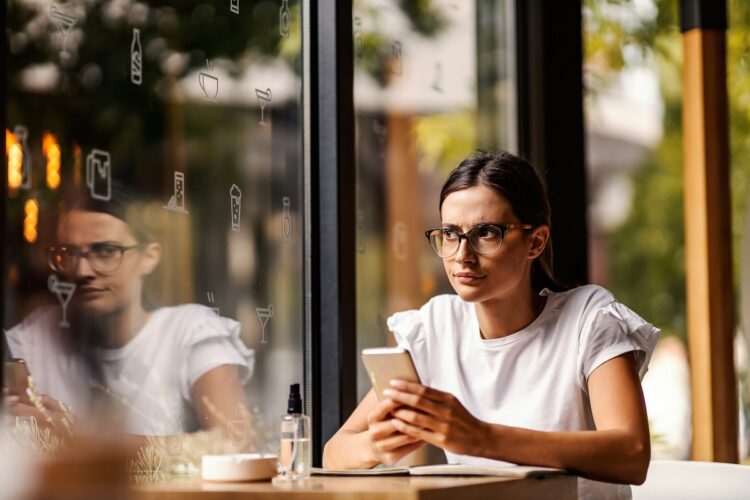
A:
[485,239]
[102,257]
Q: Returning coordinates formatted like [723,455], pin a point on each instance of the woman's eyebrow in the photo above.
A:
[450,226]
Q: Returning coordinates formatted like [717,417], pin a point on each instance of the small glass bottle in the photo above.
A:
[295,457]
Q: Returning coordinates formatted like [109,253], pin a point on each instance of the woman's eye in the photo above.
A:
[105,251]
[450,235]
[489,233]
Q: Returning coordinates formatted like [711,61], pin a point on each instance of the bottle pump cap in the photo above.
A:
[295,400]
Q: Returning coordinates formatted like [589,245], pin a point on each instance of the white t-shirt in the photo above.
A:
[535,378]
[149,378]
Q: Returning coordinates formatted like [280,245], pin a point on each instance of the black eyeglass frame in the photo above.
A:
[467,236]
[78,253]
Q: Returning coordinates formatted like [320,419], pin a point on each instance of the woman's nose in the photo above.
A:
[83,268]
[465,252]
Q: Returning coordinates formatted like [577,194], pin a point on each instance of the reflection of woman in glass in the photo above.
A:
[167,371]
[515,367]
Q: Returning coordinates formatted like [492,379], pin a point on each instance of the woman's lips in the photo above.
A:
[468,278]
[90,290]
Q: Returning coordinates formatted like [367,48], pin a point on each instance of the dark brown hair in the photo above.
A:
[519,183]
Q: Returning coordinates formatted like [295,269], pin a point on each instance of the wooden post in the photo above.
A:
[710,297]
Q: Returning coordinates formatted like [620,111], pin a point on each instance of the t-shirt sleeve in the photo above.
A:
[408,329]
[614,330]
[215,341]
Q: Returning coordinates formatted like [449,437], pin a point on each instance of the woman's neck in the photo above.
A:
[501,317]
[121,327]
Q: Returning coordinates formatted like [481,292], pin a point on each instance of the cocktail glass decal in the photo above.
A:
[65,23]
[177,201]
[208,82]
[399,235]
[235,195]
[286,228]
[437,82]
[285,19]
[264,97]
[234,6]
[136,58]
[264,314]
[22,136]
[64,291]
[396,55]
[99,174]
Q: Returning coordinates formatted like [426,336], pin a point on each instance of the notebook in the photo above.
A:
[517,471]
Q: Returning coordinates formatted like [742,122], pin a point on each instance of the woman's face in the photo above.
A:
[479,278]
[106,293]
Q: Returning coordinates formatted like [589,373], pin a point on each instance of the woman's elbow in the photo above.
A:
[639,458]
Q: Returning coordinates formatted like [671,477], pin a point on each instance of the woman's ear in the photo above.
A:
[539,238]
[151,258]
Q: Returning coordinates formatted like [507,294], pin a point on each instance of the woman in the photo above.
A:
[514,368]
[165,371]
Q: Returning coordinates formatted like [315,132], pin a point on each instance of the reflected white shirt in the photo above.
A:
[148,379]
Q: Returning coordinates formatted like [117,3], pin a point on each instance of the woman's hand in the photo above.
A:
[386,442]
[436,417]
[55,415]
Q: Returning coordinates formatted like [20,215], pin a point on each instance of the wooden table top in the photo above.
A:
[367,488]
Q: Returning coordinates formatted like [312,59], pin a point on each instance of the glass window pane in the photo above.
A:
[434,81]
[171,133]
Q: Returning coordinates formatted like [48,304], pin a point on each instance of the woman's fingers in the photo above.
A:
[393,456]
[394,442]
[382,411]
[416,401]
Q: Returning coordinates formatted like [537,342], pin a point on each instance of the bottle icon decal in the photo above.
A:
[358,42]
[397,59]
[99,175]
[235,196]
[286,228]
[177,200]
[437,82]
[361,242]
[22,135]
[136,58]
[285,19]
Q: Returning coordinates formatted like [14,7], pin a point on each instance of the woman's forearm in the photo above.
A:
[349,450]
[604,455]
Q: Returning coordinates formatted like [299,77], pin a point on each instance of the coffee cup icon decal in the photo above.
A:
[208,82]
[99,175]
[286,229]
[235,195]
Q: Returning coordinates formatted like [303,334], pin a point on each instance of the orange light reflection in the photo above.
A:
[51,150]
[14,153]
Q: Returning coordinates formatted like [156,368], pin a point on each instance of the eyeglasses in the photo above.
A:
[485,239]
[102,257]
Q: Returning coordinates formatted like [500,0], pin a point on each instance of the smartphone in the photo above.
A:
[15,377]
[383,364]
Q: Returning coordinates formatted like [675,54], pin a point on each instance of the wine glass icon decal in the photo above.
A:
[284,19]
[396,56]
[358,42]
[65,23]
[235,195]
[264,97]
[208,82]
[264,314]
[177,201]
[286,228]
[361,242]
[234,6]
[64,291]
